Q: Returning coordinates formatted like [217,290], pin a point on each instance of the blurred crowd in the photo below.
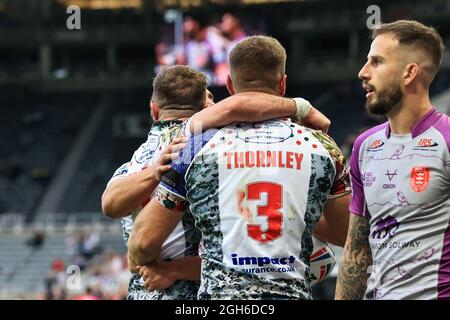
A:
[89,273]
[205,45]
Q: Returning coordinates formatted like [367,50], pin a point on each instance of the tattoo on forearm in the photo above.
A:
[352,276]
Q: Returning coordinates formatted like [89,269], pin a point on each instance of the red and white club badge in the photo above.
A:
[420,178]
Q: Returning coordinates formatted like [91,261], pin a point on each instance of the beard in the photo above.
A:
[386,100]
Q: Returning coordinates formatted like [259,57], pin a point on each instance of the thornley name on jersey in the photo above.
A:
[264,159]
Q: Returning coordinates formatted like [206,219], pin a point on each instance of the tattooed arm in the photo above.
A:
[352,277]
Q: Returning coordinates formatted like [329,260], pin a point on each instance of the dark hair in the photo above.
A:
[417,36]
[180,87]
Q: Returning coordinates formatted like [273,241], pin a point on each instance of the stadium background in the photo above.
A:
[74,105]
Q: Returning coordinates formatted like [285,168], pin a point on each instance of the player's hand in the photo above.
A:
[316,120]
[169,154]
[157,275]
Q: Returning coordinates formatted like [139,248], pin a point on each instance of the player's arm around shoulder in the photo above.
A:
[254,107]
[357,257]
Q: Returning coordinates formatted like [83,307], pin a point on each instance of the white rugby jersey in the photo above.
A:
[256,192]
[184,240]
[402,185]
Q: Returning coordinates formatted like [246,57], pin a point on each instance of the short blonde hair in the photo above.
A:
[257,61]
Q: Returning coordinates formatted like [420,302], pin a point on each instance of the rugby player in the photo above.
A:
[179,92]
[400,173]
[256,192]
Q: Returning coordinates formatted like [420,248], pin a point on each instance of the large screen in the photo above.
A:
[202,42]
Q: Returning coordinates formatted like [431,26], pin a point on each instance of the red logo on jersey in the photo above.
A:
[420,178]
[376,144]
[427,143]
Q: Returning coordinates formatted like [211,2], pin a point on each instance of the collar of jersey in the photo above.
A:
[420,126]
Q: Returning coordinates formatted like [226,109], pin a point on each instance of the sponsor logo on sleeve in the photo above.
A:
[426,144]
[376,145]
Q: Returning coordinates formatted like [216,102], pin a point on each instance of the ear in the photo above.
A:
[154,111]
[283,85]
[230,85]
[411,73]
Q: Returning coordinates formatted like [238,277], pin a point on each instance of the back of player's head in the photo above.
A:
[180,88]
[416,37]
[257,62]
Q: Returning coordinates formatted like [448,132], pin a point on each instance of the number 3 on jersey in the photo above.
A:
[270,210]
